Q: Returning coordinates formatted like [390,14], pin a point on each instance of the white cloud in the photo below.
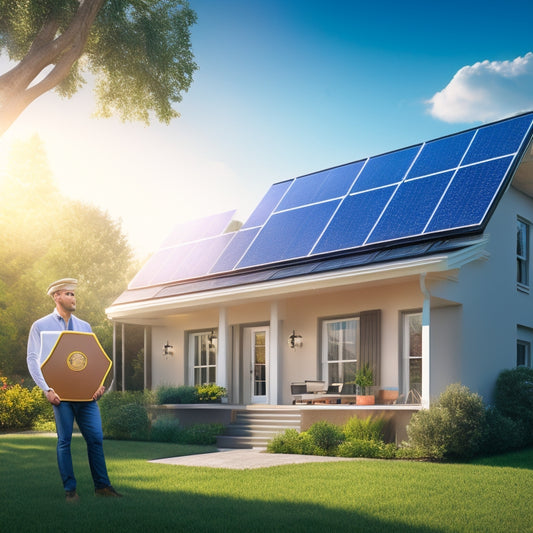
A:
[485,91]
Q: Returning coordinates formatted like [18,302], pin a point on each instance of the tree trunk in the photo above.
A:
[18,88]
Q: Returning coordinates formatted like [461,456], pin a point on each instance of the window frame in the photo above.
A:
[522,256]
[206,367]
[407,358]
[324,352]
[526,345]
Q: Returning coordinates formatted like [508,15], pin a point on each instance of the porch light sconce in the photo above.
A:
[295,341]
[211,337]
[168,349]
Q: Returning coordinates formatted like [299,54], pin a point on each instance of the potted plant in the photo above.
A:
[364,378]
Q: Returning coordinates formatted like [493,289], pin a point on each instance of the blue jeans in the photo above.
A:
[87,416]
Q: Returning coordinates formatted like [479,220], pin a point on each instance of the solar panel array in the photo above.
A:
[445,186]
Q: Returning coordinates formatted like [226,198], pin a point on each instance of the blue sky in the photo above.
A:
[284,88]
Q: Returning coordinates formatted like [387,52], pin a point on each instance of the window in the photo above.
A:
[340,350]
[412,356]
[203,357]
[523,353]
[522,253]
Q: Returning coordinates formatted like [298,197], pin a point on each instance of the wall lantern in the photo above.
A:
[168,349]
[212,337]
[295,341]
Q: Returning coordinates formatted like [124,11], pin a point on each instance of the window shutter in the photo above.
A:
[370,338]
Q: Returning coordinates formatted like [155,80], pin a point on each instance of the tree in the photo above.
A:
[138,52]
[42,240]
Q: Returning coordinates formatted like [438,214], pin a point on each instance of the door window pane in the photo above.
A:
[259,373]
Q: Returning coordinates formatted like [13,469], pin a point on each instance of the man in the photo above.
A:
[86,414]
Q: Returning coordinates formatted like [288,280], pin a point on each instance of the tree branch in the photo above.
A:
[16,92]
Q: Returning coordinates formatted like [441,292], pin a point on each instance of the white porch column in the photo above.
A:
[273,370]
[222,356]
[123,349]
[113,385]
[426,320]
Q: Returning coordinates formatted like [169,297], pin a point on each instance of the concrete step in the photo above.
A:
[254,428]
[245,431]
[241,442]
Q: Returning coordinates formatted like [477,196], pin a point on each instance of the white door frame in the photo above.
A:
[256,371]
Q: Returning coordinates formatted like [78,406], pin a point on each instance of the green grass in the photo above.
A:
[491,495]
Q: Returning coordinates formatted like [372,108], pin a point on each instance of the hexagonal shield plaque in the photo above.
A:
[77,366]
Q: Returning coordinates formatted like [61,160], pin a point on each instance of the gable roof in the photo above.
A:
[432,198]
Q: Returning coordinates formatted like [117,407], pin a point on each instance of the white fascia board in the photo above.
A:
[293,286]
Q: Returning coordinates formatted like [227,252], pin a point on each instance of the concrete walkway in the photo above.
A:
[245,459]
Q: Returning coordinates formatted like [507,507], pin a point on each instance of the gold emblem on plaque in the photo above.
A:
[77,361]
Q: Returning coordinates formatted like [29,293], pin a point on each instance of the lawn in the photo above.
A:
[492,495]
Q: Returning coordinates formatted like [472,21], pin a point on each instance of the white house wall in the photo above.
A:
[302,314]
[491,306]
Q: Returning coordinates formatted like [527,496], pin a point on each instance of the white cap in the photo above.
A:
[66,284]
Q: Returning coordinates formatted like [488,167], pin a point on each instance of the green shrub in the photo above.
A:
[210,392]
[370,428]
[452,427]
[367,448]
[428,432]
[21,408]
[166,429]
[124,415]
[326,436]
[501,433]
[181,394]
[201,434]
[409,453]
[287,442]
[513,397]
[467,417]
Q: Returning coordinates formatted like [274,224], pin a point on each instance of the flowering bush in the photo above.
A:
[22,408]
[210,392]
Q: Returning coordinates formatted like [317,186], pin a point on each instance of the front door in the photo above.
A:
[258,363]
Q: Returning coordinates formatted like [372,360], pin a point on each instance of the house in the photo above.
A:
[415,262]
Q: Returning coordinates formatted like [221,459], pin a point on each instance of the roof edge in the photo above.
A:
[296,285]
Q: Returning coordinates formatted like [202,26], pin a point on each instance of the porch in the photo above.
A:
[253,426]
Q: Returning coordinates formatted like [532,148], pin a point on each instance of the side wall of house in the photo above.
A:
[492,308]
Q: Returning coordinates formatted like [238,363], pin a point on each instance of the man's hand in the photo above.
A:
[99,393]
[52,397]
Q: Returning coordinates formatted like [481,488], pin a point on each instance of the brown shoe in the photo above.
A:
[109,492]
[71,496]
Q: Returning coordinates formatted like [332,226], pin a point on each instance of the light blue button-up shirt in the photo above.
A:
[52,322]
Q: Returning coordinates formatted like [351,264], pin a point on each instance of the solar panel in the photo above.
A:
[288,234]
[190,250]
[235,250]
[385,169]
[194,230]
[445,187]
[325,185]
[354,220]
[418,197]
[469,195]
[261,213]
[442,154]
